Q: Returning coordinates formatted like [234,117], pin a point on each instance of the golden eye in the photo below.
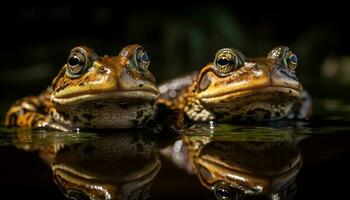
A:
[79,60]
[225,65]
[76,63]
[226,61]
[291,60]
[142,59]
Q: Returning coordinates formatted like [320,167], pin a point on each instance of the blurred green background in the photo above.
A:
[179,37]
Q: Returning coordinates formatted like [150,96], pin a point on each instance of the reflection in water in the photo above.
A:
[234,166]
[244,161]
[112,166]
[119,166]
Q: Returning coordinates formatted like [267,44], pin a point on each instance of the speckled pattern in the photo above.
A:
[243,89]
[92,92]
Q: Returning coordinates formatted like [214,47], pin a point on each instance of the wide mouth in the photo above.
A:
[116,96]
[285,91]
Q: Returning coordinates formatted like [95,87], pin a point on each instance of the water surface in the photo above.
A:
[265,160]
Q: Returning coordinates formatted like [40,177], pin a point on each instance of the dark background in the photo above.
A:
[180,37]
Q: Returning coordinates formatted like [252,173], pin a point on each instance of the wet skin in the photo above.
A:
[235,87]
[92,92]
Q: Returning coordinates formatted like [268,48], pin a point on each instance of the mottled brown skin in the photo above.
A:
[92,92]
[234,87]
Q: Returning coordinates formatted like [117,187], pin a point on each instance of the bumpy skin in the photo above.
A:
[234,87]
[92,92]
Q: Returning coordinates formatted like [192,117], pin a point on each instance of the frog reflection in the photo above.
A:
[121,166]
[239,167]
[90,166]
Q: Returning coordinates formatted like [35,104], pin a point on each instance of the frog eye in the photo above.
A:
[224,191]
[142,59]
[78,61]
[290,60]
[227,60]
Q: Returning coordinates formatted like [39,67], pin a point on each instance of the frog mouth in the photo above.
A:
[292,92]
[132,96]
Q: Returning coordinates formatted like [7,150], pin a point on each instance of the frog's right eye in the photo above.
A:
[78,61]
[226,61]
[142,59]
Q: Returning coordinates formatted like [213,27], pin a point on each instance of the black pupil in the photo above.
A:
[145,57]
[223,193]
[74,60]
[224,61]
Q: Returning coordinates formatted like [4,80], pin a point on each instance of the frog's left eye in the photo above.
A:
[78,61]
[142,59]
[290,60]
[227,60]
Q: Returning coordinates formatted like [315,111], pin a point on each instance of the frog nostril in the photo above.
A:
[102,70]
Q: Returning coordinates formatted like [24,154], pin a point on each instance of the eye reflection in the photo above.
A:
[223,191]
[77,195]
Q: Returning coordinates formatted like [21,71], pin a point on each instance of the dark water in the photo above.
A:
[270,160]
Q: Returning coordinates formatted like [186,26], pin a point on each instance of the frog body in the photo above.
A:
[93,92]
[234,87]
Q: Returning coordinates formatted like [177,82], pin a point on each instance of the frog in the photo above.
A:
[236,88]
[92,92]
